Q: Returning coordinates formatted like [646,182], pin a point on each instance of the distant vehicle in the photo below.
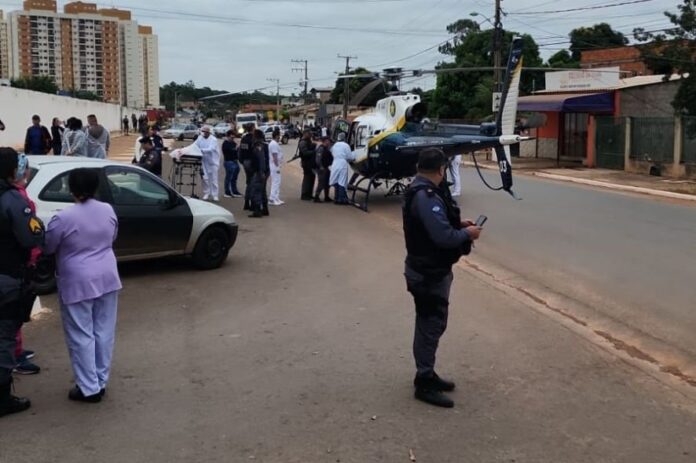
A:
[245,118]
[153,219]
[182,131]
[221,129]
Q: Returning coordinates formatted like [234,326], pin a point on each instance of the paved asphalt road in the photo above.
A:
[298,350]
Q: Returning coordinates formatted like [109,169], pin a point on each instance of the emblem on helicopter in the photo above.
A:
[392,108]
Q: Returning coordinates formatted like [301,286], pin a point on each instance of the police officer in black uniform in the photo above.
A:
[436,237]
[260,169]
[20,231]
[308,159]
[151,159]
[245,158]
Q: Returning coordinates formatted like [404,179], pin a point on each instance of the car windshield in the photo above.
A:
[177,127]
[247,119]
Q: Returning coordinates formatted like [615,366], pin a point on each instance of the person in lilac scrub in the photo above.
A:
[81,237]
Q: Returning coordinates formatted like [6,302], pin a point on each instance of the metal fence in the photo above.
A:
[610,140]
[689,140]
[652,139]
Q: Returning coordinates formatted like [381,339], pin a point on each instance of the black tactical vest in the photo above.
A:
[245,147]
[13,256]
[424,256]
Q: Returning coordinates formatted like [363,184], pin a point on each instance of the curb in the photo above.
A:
[614,186]
[597,183]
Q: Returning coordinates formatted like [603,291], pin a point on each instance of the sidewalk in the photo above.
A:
[684,189]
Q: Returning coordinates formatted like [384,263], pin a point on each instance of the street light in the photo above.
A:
[486,18]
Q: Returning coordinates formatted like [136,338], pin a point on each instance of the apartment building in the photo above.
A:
[83,48]
[150,65]
[4,47]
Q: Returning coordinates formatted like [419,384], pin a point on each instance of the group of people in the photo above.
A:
[324,167]
[71,139]
[139,124]
[81,239]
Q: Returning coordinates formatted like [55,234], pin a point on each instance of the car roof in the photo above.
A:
[78,161]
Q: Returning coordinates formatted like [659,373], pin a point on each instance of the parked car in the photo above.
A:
[154,220]
[182,131]
[221,129]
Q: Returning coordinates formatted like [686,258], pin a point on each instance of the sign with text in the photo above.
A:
[583,79]
[497,96]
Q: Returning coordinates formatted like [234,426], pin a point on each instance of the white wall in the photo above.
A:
[17,106]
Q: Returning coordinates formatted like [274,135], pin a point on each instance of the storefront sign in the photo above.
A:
[583,79]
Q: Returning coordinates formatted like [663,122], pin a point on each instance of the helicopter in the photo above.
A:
[388,140]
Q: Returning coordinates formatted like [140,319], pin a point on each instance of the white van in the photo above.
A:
[245,118]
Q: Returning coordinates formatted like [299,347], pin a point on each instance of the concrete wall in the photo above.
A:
[17,106]
[648,101]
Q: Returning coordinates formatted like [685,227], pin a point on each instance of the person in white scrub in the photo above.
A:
[456,179]
[340,169]
[276,161]
[208,145]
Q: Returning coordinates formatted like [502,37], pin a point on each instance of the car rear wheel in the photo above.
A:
[181,137]
[45,276]
[212,248]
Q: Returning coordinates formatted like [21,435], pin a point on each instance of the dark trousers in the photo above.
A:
[231,175]
[57,149]
[8,340]
[308,183]
[322,183]
[259,196]
[341,195]
[431,298]
[247,190]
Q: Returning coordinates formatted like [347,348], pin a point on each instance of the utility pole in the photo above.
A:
[346,84]
[498,46]
[305,69]
[277,82]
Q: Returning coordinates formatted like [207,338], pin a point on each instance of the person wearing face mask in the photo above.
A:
[436,238]
[208,145]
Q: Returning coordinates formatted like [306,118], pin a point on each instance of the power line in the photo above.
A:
[582,8]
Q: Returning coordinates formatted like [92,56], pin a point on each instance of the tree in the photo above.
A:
[468,95]
[562,59]
[355,85]
[675,50]
[598,36]
[43,84]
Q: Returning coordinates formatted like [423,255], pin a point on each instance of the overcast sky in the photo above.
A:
[238,44]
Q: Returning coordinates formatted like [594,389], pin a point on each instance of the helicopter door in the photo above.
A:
[361,139]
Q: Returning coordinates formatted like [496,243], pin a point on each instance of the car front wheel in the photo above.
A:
[44,278]
[212,248]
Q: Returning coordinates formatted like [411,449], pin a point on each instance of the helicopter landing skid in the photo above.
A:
[397,189]
[355,186]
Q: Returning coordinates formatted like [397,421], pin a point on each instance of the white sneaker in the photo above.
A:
[227,196]
[216,199]
[237,195]
[280,203]
[206,197]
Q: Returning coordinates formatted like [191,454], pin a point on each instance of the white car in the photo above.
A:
[153,219]
[182,131]
[220,130]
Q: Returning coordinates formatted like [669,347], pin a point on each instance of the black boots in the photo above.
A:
[10,404]
[430,390]
[77,395]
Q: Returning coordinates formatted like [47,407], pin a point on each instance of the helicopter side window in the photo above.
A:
[361,138]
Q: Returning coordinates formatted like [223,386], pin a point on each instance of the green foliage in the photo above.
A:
[44,84]
[675,50]
[356,84]
[86,95]
[598,36]
[562,59]
[468,95]
[189,92]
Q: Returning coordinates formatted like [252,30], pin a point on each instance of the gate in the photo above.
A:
[610,140]
[652,139]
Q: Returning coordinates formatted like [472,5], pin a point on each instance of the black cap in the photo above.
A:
[431,159]
[145,140]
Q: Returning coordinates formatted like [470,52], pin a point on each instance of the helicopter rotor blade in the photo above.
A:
[362,94]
